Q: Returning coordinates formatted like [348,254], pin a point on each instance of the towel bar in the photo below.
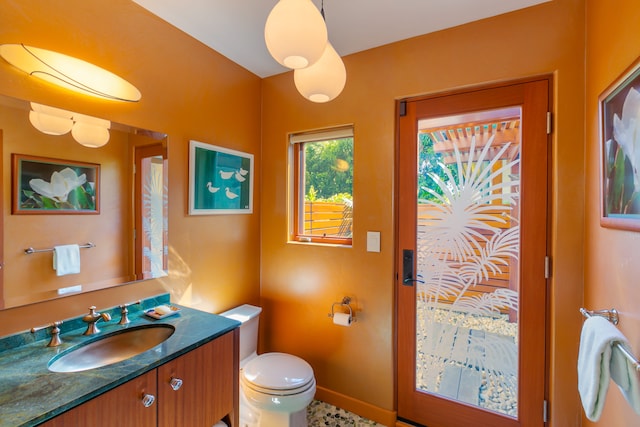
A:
[612,316]
[30,251]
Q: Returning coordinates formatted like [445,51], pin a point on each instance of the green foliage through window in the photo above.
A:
[328,170]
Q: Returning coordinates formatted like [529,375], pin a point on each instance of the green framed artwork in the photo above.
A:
[220,180]
[52,186]
[620,151]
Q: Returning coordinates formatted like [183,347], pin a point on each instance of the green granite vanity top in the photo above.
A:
[30,394]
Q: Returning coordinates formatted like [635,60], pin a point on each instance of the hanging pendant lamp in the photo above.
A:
[86,130]
[90,131]
[324,80]
[50,120]
[295,33]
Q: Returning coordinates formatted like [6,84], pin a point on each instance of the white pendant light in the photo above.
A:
[90,131]
[50,120]
[324,80]
[68,72]
[295,33]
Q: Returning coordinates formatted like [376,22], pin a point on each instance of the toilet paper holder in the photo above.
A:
[344,303]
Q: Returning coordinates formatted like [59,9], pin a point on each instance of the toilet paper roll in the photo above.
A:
[220,424]
[342,319]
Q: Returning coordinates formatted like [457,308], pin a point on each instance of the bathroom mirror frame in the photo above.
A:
[29,278]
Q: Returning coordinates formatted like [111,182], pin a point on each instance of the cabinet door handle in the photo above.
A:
[175,383]
[148,399]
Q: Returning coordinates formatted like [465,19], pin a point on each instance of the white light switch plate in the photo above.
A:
[373,241]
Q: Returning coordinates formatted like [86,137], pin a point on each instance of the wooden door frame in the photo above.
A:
[528,415]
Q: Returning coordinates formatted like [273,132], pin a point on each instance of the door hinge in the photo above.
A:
[549,122]
[545,411]
[402,110]
[547,267]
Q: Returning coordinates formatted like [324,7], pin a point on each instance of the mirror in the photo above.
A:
[118,217]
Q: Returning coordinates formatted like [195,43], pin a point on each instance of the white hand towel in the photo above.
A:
[66,259]
[597,341]
[625,375]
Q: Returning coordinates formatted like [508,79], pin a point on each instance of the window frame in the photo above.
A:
[298,141]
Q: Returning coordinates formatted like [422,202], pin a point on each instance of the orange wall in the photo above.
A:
[611,256]
[300,282]
[188,92]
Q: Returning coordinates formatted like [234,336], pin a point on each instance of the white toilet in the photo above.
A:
[275,388]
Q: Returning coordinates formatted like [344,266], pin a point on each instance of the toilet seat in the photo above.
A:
[278,374]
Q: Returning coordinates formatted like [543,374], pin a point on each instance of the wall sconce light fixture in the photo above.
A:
[69,72]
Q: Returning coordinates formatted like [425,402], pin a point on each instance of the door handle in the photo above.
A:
[407,267]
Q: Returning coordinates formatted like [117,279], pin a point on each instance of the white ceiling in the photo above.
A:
[235,28]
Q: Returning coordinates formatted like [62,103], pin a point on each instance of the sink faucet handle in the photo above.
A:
[92,319]
[55,332]
[124,311]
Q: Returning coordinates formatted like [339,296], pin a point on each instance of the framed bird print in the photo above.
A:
[220,180]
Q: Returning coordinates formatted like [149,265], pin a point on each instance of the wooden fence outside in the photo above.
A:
[328,219]
[507,278]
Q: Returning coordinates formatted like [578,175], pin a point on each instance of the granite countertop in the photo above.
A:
[30,394]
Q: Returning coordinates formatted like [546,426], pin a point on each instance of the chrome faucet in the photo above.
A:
[92,319]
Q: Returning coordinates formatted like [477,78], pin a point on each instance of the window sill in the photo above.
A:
[328,245]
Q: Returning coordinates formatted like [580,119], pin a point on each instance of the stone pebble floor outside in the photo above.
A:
[459,375]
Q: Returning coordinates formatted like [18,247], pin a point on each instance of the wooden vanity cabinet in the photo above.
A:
[196,389]
[199,402]
[121,406]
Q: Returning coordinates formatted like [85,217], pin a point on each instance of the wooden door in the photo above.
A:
[472,245]
[151,210]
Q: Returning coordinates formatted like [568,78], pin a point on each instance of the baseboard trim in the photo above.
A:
[364,409]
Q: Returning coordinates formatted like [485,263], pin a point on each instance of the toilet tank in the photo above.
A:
[249,317]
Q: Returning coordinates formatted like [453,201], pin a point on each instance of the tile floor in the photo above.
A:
[320,414]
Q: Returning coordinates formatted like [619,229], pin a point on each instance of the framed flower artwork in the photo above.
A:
[620,152]
[52,186]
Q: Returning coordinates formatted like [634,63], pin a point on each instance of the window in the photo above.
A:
[323,186]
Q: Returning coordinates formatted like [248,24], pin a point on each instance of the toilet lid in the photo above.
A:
[278,371]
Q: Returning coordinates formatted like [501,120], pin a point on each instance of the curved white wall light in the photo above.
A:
[295,33]
[324,80]
[69,72]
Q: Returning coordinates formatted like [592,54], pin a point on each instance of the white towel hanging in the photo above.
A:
[66,259]
[599,361]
